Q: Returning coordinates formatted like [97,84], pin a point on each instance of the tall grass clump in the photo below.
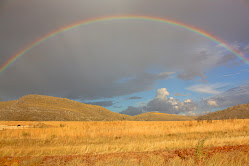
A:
[199,149]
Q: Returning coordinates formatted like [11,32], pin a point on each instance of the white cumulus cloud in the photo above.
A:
[162,93]
[188,101]
[212,103]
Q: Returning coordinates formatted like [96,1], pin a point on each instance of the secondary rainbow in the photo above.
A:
[34,44]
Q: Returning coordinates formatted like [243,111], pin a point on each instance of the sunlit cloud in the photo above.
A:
[180,94]
[212,103]
[206,88]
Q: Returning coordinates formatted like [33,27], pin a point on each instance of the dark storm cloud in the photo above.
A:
[134,98]
[2,6]
[102,103]
[226,19]
[89,62]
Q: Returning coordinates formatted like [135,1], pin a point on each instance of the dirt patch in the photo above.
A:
[91,159]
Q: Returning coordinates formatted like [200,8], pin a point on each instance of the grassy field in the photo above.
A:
[151,139]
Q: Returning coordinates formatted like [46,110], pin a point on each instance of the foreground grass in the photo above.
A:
[71,138]
[156,158]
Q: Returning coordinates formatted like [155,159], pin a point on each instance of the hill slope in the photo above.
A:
[234,112]
[154,116]
[46,108]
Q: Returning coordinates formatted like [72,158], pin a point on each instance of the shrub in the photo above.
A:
[62,125]
[25,134]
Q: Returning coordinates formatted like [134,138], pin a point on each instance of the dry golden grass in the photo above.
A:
[67,138]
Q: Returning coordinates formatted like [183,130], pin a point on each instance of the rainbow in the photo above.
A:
[191,28]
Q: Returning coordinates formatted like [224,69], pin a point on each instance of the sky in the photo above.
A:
[128,65]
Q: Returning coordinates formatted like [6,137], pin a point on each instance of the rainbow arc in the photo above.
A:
[191,28]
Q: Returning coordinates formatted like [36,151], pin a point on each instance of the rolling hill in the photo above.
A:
[46,108]
[234,112]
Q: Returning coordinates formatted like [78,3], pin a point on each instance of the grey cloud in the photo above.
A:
[102,103]
[88,62]
[170,105]
[134,98]
[229,60]
[246,49]
[226,59]
[212,16]
[188,106]
[200,60]
[164,106]
[189,75]
[132,111]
